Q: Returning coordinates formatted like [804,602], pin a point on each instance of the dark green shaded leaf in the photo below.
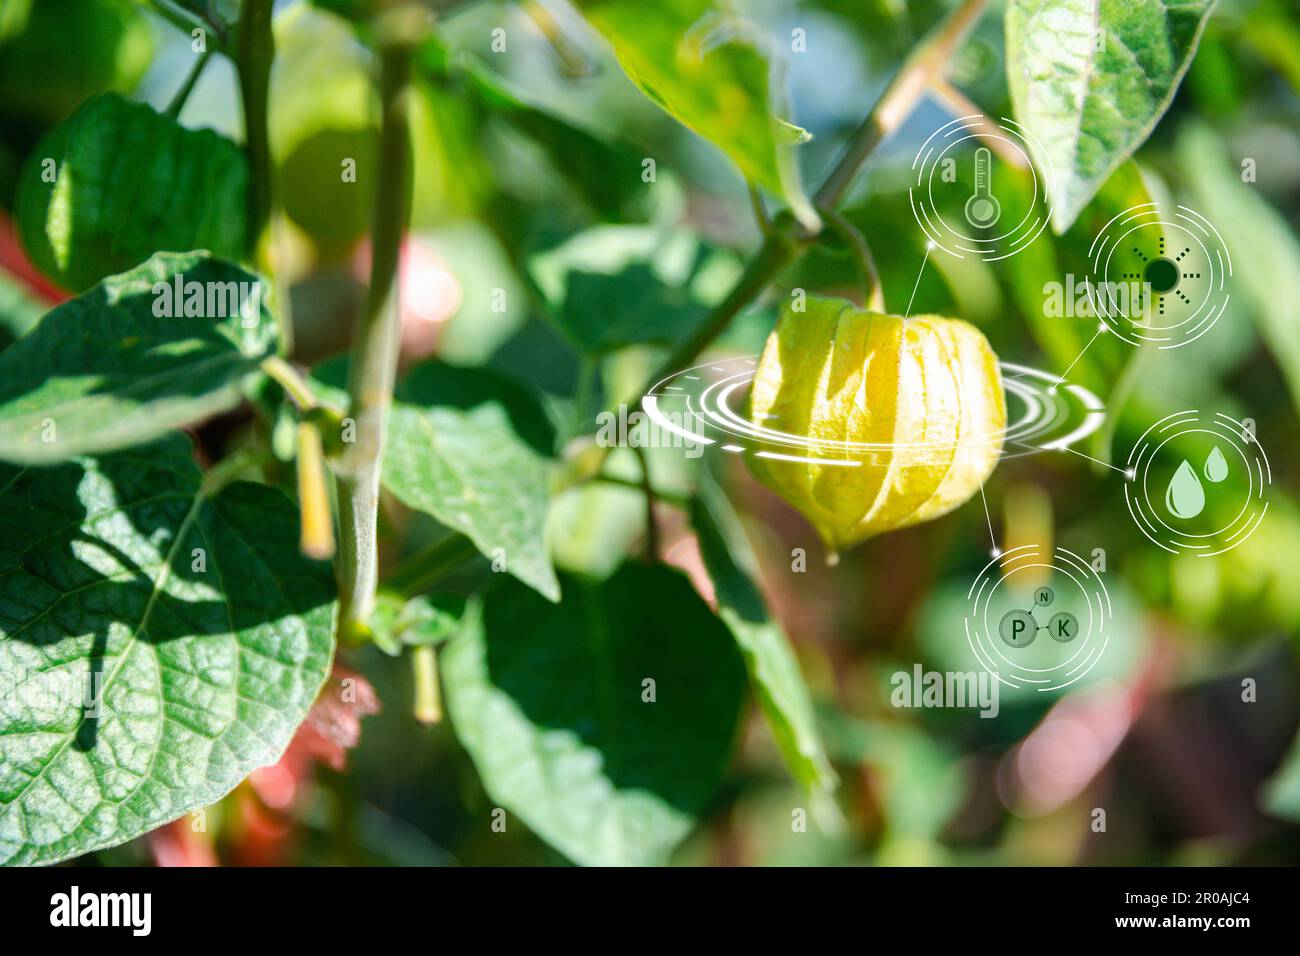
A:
[1091,78]
[201,632]
[548,699]
[128,181]
[105,371]
[612,286]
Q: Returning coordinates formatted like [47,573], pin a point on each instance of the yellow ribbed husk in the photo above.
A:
[925,391]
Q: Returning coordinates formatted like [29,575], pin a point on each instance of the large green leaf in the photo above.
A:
[470,448]
[612,286]
[1091,78]
[128,181]
[550,702]
[773,668]
[201,632]
[118,365]
[702,62]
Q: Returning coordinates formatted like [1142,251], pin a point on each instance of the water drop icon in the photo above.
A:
[1216,466]
[1185,498]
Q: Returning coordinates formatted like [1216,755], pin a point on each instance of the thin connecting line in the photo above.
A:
[917,284]
[1061,378]
[1106,464]
[988,518]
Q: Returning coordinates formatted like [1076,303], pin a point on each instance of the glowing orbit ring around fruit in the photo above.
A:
[702,405]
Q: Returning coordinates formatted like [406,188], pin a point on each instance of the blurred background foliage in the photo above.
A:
[528,178]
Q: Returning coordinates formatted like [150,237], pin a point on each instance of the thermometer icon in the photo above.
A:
[982,208]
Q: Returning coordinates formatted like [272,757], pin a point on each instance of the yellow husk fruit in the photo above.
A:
[924,394]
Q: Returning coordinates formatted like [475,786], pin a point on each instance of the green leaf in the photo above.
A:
[548,699]
[201,633]
[1090,79]
[612,286]
[705,66]
[105,370]
[128,181]
[773,668]
[472,449]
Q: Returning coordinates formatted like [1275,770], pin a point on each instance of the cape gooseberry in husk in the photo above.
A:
[916,404]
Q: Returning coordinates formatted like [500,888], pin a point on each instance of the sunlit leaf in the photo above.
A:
[164,345]
[706,66]
[158,641]
[1091,78]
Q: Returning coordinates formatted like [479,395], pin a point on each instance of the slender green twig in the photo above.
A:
[373,365]
[187,22]
[919,70]
[647,489]
[866,262]
[291,380]
[178,101]
[761,218]
[922,66]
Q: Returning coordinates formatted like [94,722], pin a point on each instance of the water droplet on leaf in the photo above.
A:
[1216,466]
[1185,497]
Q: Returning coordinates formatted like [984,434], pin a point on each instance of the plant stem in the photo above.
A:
[874,296]
[647,488]
[291,380]
[779,249]
[256,50]
[187,22]
[374,354]
[900,97]
[178,101]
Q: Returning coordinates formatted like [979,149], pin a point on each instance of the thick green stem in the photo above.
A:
[374,355]
[256,51]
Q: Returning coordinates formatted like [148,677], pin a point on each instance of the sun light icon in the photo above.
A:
[1159,279]
[1161,274]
